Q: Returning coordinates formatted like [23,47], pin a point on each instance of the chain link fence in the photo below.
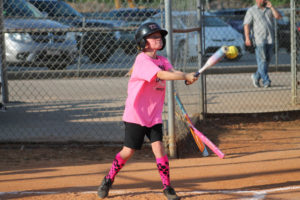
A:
[228,86]
[64,66]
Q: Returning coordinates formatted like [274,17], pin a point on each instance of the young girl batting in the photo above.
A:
[144,106]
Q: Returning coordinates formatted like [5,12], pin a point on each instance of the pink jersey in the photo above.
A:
[146,92]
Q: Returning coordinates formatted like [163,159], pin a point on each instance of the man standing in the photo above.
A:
[260,18]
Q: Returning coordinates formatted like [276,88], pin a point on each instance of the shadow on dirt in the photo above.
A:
[216,125]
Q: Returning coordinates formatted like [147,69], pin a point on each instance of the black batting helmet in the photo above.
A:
[147,29]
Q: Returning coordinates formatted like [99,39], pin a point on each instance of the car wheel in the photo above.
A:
[238,57]
[250,49]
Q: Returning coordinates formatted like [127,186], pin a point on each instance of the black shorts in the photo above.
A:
[135,134]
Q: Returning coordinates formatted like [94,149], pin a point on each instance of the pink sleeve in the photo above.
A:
[167,64]
[144,68]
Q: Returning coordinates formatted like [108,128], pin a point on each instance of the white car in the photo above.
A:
[217,34]
[55,50]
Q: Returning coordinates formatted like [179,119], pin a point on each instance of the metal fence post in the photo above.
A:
[170,84]
[3,77]
[293,53]
[202,101]
[276,44]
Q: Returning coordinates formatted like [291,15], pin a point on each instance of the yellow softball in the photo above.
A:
[232,52]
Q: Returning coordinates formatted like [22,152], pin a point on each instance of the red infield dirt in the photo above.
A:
[262,162]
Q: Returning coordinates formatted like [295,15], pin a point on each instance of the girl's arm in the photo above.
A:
[177,75]
[176,71]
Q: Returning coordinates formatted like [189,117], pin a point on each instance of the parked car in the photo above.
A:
[56,49]
[217,34]
[99,45]
[233,17]
[284,32]
[125,18]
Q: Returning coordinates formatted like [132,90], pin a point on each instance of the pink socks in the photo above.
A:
[117,165]
[162,166]
[164,170]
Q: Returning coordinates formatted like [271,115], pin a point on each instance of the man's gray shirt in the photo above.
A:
[262,23]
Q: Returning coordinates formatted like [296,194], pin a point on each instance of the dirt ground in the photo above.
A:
[262,162]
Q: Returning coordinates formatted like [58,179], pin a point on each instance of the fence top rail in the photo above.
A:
[188,30]
[75,29]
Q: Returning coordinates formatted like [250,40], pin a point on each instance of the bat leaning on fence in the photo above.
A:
[214,59]
[198,141]
[202,137]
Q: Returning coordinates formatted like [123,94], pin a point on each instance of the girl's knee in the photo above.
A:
[126,152]
[158,149]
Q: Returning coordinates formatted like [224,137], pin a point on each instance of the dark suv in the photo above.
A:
[97,45]
[128,20]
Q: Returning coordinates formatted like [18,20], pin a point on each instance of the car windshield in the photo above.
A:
[20,8]
[56,9]
[209,21]
[214,21]
[129,15]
